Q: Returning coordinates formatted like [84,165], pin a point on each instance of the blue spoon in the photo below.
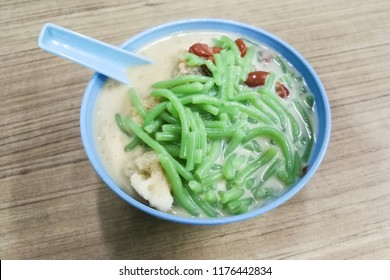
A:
[96,55]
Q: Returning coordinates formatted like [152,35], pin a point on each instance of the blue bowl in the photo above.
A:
[322,108]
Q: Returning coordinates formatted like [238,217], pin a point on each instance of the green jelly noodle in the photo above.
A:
[226,147]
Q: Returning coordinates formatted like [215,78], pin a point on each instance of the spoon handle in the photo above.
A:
[96,55]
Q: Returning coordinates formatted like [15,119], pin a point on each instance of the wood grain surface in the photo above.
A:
[54,206]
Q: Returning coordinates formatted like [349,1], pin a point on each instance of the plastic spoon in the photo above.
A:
[96,55]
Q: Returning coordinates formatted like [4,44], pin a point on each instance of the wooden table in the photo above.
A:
[54,206]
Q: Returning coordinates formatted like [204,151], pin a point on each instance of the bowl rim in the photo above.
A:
[234,25]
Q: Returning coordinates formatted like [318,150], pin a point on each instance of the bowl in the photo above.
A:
[153,34]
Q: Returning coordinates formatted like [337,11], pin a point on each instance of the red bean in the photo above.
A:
[256,78]
[281,90]
[216,50]
[241,46]
[202,50]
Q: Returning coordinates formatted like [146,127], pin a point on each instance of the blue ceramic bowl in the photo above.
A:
[153,34]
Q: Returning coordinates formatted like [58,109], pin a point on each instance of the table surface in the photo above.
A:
[54,206]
